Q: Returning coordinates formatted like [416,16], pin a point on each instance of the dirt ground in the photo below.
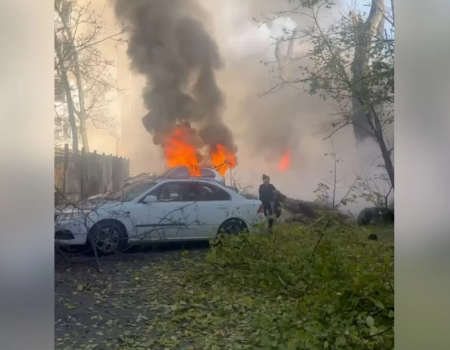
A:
[111,308]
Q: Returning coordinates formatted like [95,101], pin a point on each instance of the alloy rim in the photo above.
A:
[107,240]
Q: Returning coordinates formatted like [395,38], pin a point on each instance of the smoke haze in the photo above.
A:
[171,47]
[262,127]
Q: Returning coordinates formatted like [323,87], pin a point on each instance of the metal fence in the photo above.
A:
[78,176]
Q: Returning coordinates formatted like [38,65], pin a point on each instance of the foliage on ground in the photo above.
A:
[276,291]
[281,295]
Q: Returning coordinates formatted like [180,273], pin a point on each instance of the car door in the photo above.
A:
[166,213]
[214,207]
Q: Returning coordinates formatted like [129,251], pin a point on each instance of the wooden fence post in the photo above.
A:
[78,173]
[103,184]
[96,165]
[66,166]
[83,173]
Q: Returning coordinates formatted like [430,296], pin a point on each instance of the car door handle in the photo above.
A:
[221,207]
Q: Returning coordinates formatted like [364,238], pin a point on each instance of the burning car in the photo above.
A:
[178,172]
[182,172]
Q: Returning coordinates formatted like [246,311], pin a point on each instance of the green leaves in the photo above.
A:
[379,304]
[340,341]
[261,292]
[370,321]
[347,60]
[298,301]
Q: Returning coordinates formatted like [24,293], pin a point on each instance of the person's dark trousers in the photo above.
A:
[268,212]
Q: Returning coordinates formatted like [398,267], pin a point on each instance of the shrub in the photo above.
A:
[309,288]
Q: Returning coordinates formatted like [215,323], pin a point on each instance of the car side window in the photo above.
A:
[220,195]
[170,192]
[203,192]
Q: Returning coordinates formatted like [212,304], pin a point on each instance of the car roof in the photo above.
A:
[187,166]
[191,179]
[201,167]
[158,175]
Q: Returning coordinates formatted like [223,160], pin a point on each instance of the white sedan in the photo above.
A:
[155,211]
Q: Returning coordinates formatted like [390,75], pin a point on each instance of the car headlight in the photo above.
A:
[70,216]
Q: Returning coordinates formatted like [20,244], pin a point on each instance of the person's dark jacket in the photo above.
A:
[267,193]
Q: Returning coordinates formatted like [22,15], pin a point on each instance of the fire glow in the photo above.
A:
[285,161]
[223,160]
[178,151]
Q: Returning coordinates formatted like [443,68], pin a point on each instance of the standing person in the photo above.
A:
[267,197]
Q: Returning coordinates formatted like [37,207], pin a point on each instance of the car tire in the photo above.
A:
[232,227]
[229,227]
[108,237]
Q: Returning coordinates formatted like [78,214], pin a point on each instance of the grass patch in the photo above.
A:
[283,291]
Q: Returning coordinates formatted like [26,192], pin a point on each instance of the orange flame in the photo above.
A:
[178,151]
[223,159]
[285,161]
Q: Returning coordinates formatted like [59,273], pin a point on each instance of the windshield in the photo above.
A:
[131,192]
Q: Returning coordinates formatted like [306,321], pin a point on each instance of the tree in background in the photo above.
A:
[83,79]
[350,61]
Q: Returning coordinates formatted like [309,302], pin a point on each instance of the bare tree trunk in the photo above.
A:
[283,62]
[379,136]
[387,159]
[392,8]
[366,122]
[62,71]
[82,113]
[371,27]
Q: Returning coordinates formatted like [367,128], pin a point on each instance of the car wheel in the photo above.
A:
[232,227]
[108,237]
[229,227]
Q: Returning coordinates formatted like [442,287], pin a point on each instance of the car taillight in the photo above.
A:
[261,209]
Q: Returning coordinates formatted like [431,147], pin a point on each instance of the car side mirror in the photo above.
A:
[150,199]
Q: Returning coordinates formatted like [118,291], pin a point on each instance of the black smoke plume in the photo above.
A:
[170,46]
